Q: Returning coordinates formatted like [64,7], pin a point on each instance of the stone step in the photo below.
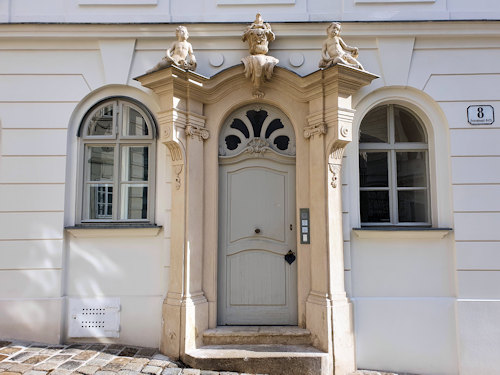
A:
[260,359]
[277,335]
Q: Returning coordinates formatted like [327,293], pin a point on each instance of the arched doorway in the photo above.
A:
[257,277]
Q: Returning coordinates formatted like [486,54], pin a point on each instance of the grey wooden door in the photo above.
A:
[256,230]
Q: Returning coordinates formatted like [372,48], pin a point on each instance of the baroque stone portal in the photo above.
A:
[258,66]
[335,50]
[180,53]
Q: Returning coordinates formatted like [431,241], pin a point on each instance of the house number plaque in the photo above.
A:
[480,115]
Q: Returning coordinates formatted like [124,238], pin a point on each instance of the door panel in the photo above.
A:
[256,284]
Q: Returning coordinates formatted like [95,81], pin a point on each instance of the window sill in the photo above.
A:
[114,230]
[401,232]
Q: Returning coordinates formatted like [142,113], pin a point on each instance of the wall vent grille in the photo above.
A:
[94,317]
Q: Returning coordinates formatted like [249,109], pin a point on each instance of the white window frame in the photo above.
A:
[118,141]
[391,148]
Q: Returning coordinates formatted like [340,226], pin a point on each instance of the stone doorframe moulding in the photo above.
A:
[193,109]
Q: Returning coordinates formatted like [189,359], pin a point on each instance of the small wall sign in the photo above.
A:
[480,115]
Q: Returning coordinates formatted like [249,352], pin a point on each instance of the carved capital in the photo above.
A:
[198,132]
[312,130]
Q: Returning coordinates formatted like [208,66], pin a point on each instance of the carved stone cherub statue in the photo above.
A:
[258,66]
[180,52]
[335,50]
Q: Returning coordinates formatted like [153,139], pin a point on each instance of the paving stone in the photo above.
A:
[22,356]
[128,352]
[36,359]
[128,372]
[11,373]
[58,371]
[155,370]
[21,368]
[172,371]
[96,347]
[146,352]
[142,361]
[36,347]
[10,350]
[133,366]
[85,355]
[4,343]
[161,357]
[73,351]
[105,373]
[6,365]
[191,371]
[45,366]
[78,346]
[97,362]
[70,365]
[105,356]
[59,358]
[159,363]
[116,364]
[3,356]
[208,372]
[111,351]
[88,370]
[34,372]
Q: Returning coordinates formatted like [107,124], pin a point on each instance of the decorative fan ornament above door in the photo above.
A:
[257,129]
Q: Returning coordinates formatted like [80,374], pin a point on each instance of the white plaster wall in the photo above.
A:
[165,11]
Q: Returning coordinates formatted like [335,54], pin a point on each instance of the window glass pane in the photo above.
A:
[374,126]
[406,127]
[100,160]
[412,206]
[411,169]
[375,207]
[135,160]
[373,169]
[134,201]
[133,123]
[100,201]
[101,123]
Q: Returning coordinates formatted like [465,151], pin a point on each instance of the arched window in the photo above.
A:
[393,168]
[117,144]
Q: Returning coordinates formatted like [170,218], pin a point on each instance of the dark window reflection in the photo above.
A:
[373,169]
[412,206]
[375,206]
[374,126]
[411,169]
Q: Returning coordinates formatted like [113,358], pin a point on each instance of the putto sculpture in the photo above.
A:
[179,54]
[258,66]
[335,50]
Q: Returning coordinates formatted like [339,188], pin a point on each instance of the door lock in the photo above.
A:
[290,257]
[257,230]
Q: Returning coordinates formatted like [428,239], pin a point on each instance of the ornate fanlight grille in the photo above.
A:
[257,129]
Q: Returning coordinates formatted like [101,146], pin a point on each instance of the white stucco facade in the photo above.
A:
[424,301]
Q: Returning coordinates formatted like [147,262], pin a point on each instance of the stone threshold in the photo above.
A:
[277,335]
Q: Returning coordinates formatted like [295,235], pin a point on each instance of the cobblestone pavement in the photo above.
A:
[28,358]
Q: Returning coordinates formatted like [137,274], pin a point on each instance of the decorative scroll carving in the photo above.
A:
[335,170]
[197,131]
[335,50]
[312,130]
[258,66]
[335,164]
[178,170]
[180,53]
[257,146]
[175,150]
